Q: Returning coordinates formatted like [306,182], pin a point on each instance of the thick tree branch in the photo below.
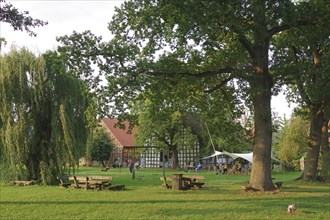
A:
[303,93]
[218,86]
[300,86]
[247,45]
[198,75]
[280,28]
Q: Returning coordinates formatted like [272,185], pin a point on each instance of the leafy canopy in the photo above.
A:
[18,20]
[102,145]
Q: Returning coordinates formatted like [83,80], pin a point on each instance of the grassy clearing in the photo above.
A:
[144,198]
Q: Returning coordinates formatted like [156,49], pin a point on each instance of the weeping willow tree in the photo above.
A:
[43,128]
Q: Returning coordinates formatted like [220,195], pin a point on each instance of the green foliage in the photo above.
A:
[42,121]
[161,123]
[221,112]
[303,54]
[164,112]
[186,48]
[18,20]
[102,145]
[293,141]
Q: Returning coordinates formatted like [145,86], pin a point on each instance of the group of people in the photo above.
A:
[222,168]
[137,165]
[192,167]
[236,168]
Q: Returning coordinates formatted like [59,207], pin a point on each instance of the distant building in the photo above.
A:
[151,156]
[123,140]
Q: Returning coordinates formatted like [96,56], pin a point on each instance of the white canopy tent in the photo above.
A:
[245,156]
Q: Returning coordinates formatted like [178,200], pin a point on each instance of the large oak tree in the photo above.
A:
[206,42]
[303,54]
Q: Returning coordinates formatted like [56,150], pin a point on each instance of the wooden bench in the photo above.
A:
[278,185]
[194,182]
[102,182]
[99,182]
[65,181]
[188,181]
[116,187]
[80,182]
[194,178]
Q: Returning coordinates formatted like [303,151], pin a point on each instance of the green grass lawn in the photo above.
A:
[145,198]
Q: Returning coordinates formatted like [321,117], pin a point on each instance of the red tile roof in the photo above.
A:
[122,137]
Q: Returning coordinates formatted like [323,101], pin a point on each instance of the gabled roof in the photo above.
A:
[122,137]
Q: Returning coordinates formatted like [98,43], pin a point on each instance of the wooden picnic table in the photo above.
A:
[102,182]
[80,182]
[183,182]
[194,182]
[89,182]
[99,182]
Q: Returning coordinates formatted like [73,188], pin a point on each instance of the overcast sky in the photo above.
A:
[65,16]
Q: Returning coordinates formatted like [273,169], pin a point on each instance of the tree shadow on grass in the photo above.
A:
[262,202]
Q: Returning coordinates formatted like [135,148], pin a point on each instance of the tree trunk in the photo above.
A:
[33,166]
[325,152]
[40,147]
[261,85]
[261,167]
[314,144]
[175,156]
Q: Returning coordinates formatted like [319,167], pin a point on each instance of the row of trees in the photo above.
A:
[189,62]
[188,48]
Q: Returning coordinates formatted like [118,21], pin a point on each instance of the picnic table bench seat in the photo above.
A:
[194,178]
[81,182]
[194,185]
[193,182]
[102,182]
[188,182]
[99,182]
[89,182]
[116,187]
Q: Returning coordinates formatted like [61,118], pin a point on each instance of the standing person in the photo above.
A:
[225,168]
[137,165]
[130,166]
[142,162]
[199,166]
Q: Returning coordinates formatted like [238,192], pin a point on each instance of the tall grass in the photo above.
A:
[145,198]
